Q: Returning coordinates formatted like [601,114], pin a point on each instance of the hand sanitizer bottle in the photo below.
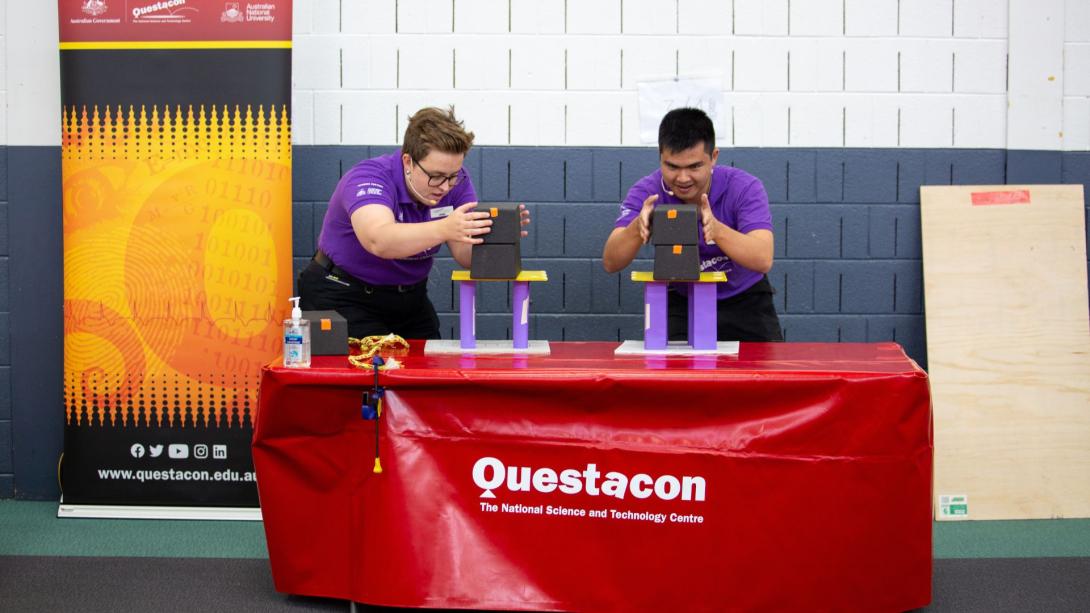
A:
[296,338]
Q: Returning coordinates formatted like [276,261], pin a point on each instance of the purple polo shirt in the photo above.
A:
[737,199]
[381,182]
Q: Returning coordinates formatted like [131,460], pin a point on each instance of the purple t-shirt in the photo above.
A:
[737,199]
[380,181]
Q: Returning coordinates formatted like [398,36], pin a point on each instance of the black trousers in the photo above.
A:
[369,309]
[749,316]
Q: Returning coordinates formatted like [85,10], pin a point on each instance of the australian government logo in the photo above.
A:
[95,11]
[599,495]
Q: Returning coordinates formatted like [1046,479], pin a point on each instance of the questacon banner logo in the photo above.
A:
[491,474]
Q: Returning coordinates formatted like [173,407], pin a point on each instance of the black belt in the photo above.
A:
[321,259]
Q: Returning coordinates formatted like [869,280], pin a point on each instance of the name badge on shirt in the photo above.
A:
[440,212]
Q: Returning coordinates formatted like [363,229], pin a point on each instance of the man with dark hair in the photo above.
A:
[385,222]
[736,236]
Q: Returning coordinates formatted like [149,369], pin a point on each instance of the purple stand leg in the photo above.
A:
[691,301]
[654,313]
[702,333]
[520,314]
[467,314]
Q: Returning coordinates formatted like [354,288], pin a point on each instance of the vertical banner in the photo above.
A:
[176,147]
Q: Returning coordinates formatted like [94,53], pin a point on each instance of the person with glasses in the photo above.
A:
[385,222]
[736,228]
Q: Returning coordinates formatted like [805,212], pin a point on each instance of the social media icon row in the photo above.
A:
[179,451]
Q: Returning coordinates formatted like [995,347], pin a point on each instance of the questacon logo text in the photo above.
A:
[491,474]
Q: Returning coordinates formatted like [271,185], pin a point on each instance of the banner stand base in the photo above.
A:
[97,511]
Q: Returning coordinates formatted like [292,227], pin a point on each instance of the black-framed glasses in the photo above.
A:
[435,179]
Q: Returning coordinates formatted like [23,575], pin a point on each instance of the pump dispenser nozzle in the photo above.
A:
[296,312]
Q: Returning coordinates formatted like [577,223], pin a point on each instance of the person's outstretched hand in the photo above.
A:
[465,225]
[644,219]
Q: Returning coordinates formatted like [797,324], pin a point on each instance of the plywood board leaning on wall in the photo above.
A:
[1008,350]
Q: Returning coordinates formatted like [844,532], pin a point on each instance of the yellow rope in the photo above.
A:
[370,346]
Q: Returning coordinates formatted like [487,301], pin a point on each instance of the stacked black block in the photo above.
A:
[499,257]
[328,333]
[675,233]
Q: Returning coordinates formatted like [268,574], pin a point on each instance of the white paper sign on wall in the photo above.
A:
[657,97]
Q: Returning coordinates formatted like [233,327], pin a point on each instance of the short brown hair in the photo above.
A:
[433,128]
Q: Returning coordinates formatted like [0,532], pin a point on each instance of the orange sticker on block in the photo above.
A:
[327,324]
[1016,196]
[494,212]
[671,214]
[677,249]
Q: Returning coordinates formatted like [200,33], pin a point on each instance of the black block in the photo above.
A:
[328,333]
[497,261]
[681,264]
[506,225]
[675,224]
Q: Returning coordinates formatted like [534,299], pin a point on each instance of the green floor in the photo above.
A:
[32,528]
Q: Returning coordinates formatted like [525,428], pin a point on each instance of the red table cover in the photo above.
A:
[789,477]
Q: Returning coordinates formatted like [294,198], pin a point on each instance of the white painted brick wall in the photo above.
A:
[759,120]
[1076,124]
[927,65]
[760,17]
[816,64]
[1076,69]
[705,56]
[481,16]
[981,18]
[427,66]
[368,62]
[316,62]
[871,120]
[928,18]
[360,67]
[302,117]
[537,63]
[643,60]
[484,114]
[481,63]
[870,17]
[704,17]
[365,118]
[302,18]
[538,16]
[926,121]
[649,17]
[593,63]
[980,67]
[324,15]
[594,119]
[594,17]
[816,120]
[425,16]
[1077,21]
[538,119]
[817,18]
[367,17]
[980,121]
[760,64]
[870,65]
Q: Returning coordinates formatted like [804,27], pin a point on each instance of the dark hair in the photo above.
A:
[433,129]
[684,128]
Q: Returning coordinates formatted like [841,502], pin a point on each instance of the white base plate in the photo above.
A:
[485,348]
[677,348]
[96,511]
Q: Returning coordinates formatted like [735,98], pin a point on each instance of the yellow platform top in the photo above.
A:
[705,277]
[526,275]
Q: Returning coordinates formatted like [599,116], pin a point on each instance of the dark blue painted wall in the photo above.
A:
[848,262]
